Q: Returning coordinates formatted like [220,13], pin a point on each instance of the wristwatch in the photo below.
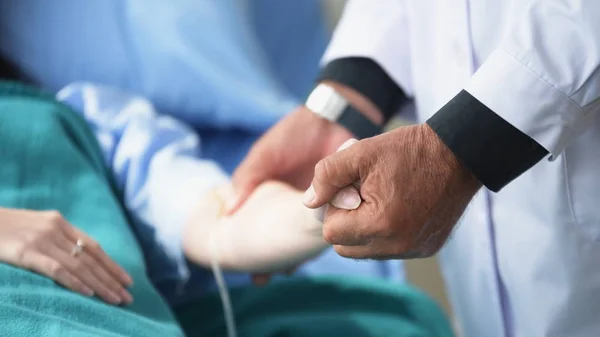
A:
[327,103]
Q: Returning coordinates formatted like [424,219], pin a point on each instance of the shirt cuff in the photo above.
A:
[519,94]
[368,78]
[491,148]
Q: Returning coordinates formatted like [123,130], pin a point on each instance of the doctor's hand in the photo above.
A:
[288,152]
[413,189]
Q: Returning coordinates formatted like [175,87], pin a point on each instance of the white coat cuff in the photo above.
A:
[525,100]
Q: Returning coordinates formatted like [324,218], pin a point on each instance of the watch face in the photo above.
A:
[326,102]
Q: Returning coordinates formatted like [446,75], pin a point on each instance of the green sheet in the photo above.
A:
[324,306]
[50,160]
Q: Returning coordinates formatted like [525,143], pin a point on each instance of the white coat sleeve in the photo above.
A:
[544,79]
[376,30]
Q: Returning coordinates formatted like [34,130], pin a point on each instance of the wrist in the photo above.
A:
[345,107]
[330,134]
[447,163]
[362,104]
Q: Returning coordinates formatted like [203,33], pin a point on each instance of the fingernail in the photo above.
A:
[87,291]
[347,199]
[126,296]
[309,195]
[128,280]
[347,144]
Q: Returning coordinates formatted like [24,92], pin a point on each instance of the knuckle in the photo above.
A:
[323,168]
[28,242]
[54,221]
[29,239]
[54,216]
[93,246]
[328,235]
[55,269]
[22,251]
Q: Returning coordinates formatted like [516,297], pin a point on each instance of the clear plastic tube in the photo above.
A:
[222,286]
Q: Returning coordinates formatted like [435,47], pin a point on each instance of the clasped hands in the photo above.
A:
[412,187]
[271,232]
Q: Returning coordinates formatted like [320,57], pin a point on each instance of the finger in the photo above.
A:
[106,284]
[78,267]
[347,198]
[51,268]
[248,175]
[340,228]
[95,250]
[102,275]
[373,252]
[242,192]
[331,175]
[350,227]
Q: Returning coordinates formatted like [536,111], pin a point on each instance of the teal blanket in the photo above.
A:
[50,160]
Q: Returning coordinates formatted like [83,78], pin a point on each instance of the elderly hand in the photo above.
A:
[413,190]
[44,242]
[288,152]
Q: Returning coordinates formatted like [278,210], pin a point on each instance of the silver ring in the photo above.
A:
[78,248]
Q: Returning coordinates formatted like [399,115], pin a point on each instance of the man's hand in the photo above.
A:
[413,190]
[287,152]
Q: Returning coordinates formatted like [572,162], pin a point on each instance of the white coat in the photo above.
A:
[524,262]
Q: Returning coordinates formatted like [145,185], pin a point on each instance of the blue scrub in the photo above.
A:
[222,70]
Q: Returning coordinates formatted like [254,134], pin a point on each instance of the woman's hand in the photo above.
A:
[44,242]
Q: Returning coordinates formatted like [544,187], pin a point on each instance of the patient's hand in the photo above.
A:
[46,243]
[272,232]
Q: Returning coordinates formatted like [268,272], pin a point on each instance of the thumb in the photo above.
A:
[332,174]
[347,198]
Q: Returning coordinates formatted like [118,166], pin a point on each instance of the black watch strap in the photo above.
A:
[360,126]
